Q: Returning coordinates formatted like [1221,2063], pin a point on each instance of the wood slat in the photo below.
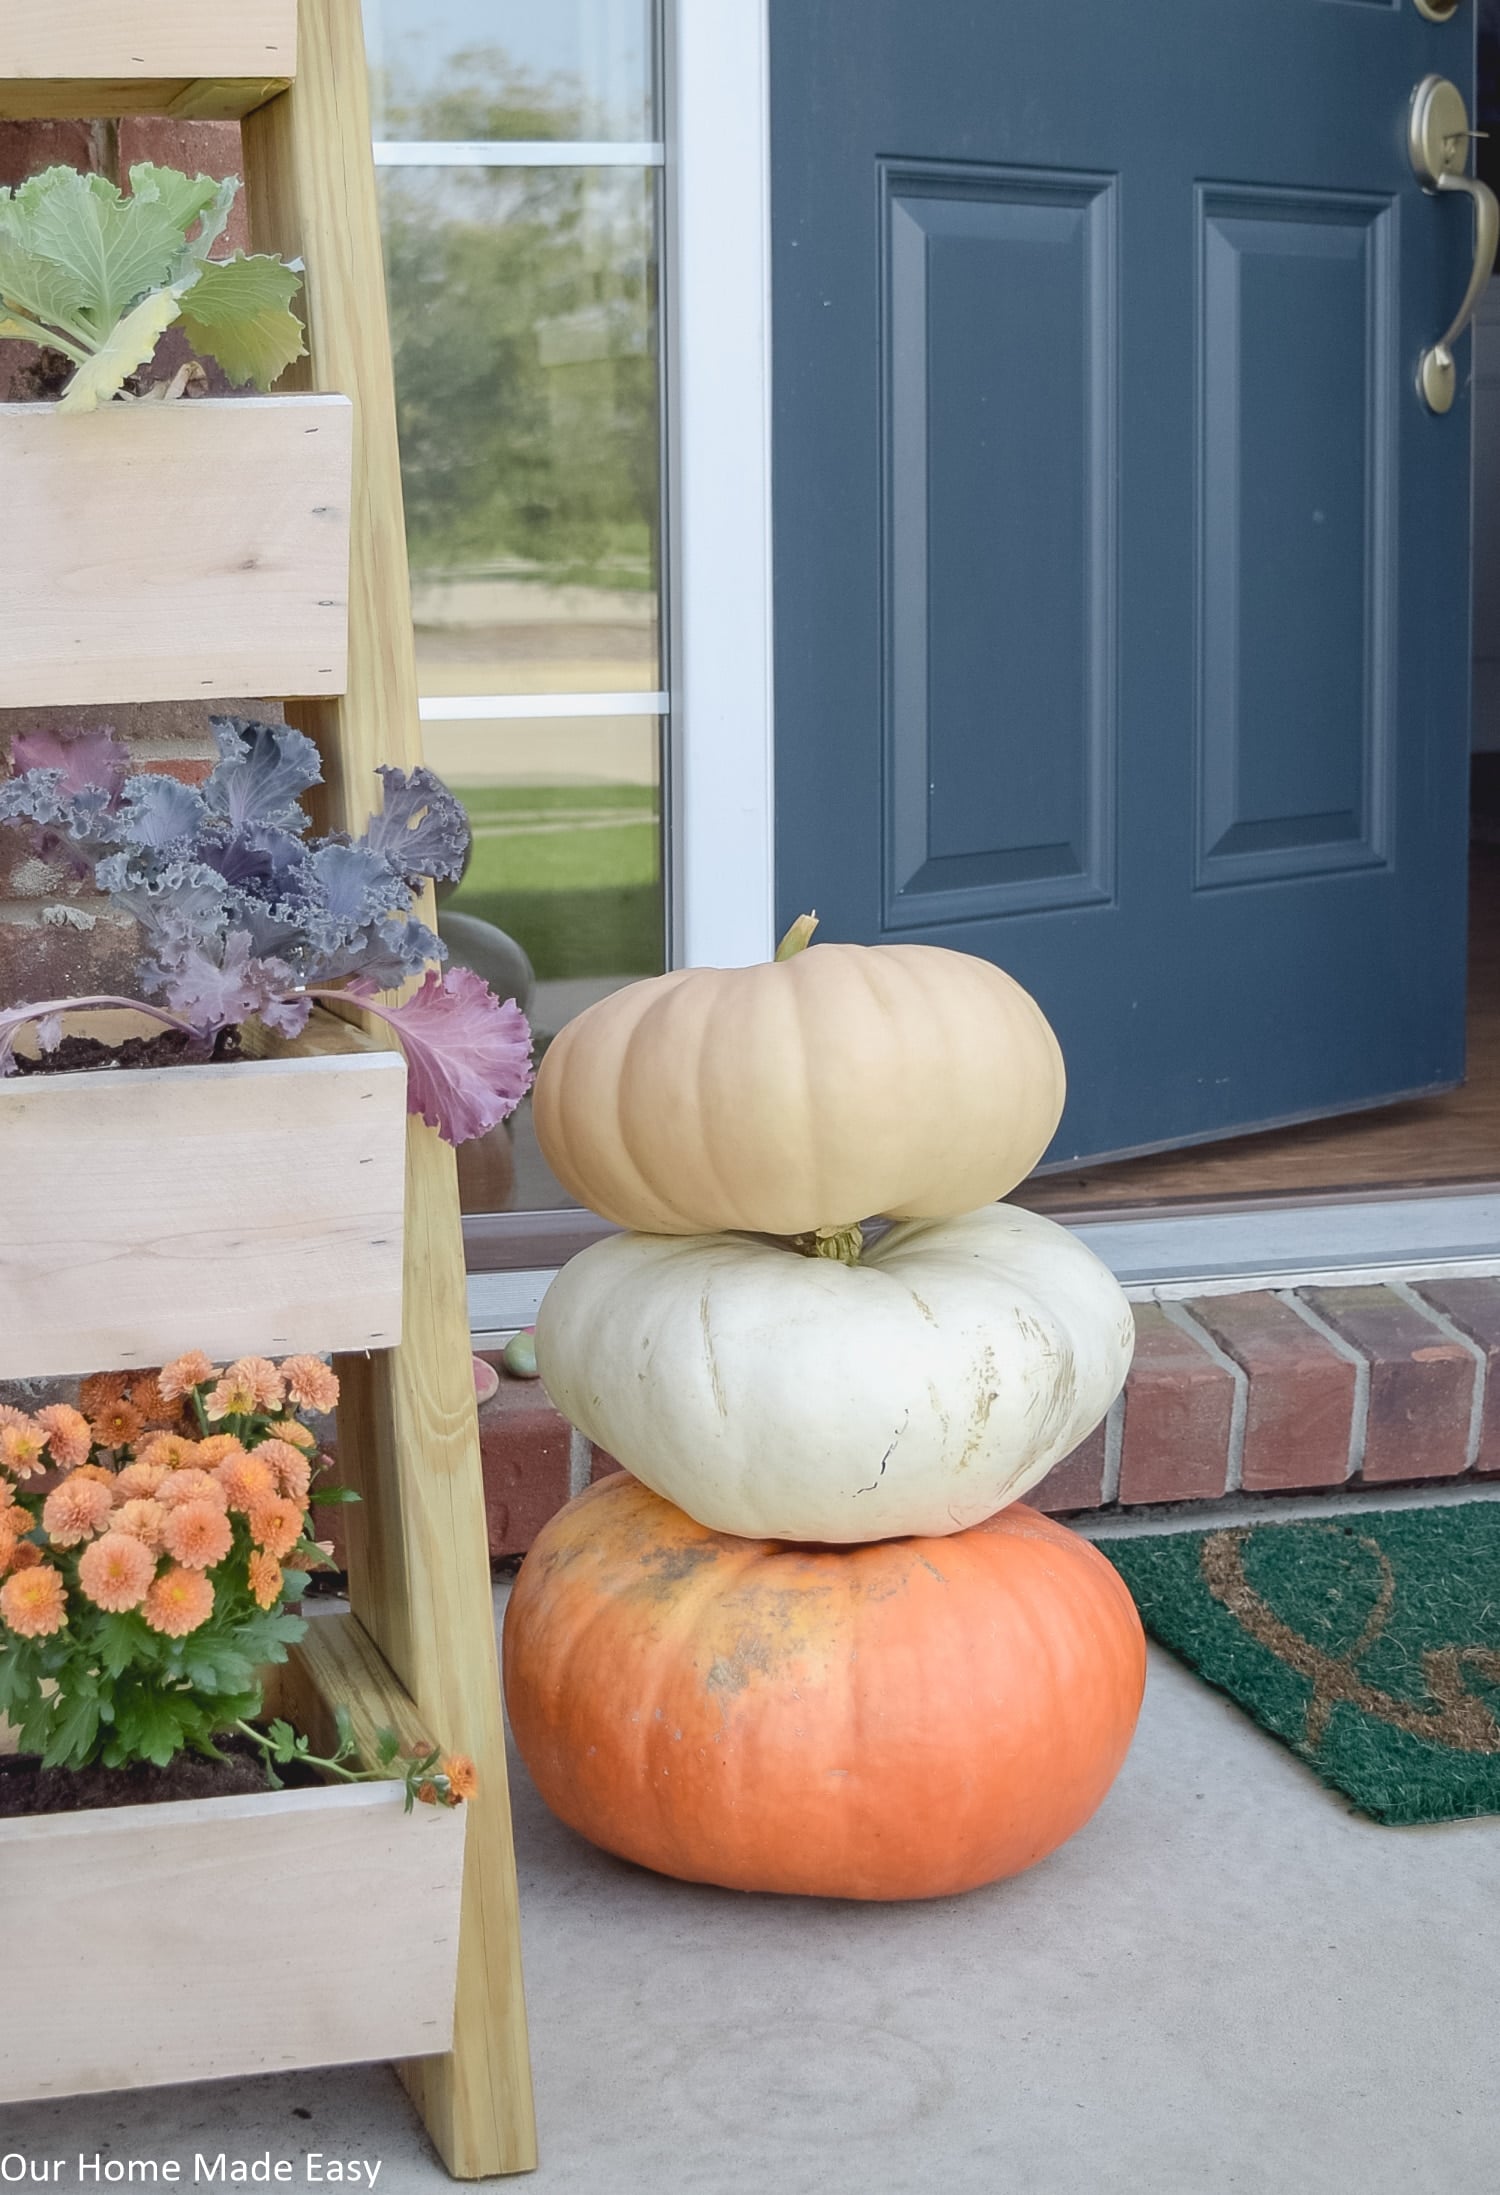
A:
[254,1206]
[138,1996]
[419,1564]
[204,59]
[175,552]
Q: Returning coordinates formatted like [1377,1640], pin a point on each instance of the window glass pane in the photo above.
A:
[523,315]
[471,69]
[562,898]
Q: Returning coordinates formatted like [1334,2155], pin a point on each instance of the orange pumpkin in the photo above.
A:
[902,1720]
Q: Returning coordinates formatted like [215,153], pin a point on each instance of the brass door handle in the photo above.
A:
[1438,140]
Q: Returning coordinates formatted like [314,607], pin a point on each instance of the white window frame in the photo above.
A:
[720,764]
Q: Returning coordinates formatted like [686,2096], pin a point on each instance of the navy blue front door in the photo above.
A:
[1121,589]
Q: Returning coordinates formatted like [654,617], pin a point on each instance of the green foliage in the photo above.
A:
[522,320]
[99,275]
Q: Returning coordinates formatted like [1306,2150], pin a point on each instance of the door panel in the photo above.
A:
[1121,576]
[982,818]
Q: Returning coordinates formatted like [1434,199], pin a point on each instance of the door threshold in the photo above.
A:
[1348,1238]
[1359,1240]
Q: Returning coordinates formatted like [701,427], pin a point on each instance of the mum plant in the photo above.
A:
[100,277]
[153,1543]
[243,915]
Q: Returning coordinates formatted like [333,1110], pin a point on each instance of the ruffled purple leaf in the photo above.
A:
[159,816]
[421,830]
[83,758]
[468,1057]
[216,991]
[270,860]
[287,1016]
[37,796]
[357,885]
[184,905]
[385,955]
[263,771]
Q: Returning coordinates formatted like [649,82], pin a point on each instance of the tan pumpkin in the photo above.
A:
[904,1720]
[802,1095]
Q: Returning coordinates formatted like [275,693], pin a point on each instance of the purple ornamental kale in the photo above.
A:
[242,915]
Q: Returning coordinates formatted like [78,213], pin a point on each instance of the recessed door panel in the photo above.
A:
[999,560]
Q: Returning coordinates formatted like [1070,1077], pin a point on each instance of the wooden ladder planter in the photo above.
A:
[417,1652]
[176,551]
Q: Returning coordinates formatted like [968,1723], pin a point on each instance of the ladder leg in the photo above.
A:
[419,1577]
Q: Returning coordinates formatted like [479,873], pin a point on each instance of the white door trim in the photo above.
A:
[717,357]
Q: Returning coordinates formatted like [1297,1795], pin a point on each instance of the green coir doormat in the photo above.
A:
[1369,1645]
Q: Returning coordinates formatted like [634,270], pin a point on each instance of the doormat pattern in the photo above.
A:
[1369,1646]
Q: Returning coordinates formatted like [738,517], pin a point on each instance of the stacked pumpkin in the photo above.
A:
[808,1641]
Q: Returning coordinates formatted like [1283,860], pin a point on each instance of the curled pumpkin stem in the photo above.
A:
[798,937]
[844,1243]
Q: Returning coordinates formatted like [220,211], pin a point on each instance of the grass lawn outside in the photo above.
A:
[572,872]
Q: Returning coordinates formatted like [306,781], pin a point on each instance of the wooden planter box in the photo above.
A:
[175,552]
[153,1944]
[205,58]
[254,1207]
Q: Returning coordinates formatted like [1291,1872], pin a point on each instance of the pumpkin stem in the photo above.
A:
[844,1243]
[798,937]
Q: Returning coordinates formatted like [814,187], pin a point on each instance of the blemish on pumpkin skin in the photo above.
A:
[732,1672]
[980,1416]
[708,1350]
[924,1308]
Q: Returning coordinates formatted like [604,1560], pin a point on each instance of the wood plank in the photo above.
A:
[175,551]
[339,1664]
[111,99]
[139,1997]
[419,1566]
[251,1206]
[144,56]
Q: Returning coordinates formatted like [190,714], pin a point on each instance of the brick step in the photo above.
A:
[1292,1391]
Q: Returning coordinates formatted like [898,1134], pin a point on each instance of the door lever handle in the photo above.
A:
[1438,140]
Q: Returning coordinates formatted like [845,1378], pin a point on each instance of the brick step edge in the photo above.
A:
[1272,1392]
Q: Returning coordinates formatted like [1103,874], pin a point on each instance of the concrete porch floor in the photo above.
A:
[1226,1982]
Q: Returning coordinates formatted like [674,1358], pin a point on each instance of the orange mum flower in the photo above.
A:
[142,1520]
[199,1534]
[260,1375]
[174,1450]
[116,1571]
[25,1555]
[276,1524]
[310,1383]
[185,1486]
[298,1434]
[10,1415]
[246,1480]
[68,1435]
[292,1469]
[22,1447]
[179,1602]
[183,1374]
[231,1398]
[217,1449]
[103,1389]
[139,1481]
[33,1602]
[76,1510]
[265,1578]
[155,1407]
[462,1775]
[116,1425]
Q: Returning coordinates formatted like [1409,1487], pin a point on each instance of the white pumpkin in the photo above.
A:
[787,1397]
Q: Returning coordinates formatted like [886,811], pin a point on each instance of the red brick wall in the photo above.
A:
[56,939]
